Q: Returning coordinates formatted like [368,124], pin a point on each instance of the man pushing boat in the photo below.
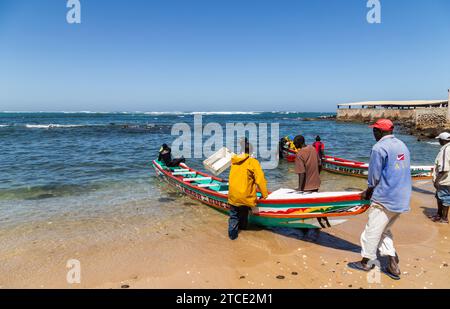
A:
[389,189]
[307,166]
[246,176]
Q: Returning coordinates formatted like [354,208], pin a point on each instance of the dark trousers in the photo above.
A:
[238,220]
[176,162]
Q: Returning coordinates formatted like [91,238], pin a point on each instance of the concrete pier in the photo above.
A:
[418,115]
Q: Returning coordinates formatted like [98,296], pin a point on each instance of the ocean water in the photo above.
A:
[86,166]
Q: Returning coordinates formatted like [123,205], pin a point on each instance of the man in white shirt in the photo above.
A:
[441,179]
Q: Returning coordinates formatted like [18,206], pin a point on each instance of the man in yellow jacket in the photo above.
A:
[246,175]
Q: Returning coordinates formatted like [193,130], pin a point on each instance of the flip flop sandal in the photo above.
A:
[443,221]
[386,271]
[359,266]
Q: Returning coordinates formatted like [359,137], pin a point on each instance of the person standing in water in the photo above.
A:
[389,189]
[441,179]
[246,176]
[320,147]
[307,166]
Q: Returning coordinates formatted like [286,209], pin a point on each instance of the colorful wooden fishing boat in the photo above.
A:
[358,169]
[283,208]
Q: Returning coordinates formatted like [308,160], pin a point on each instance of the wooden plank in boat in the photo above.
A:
[208,185]
[196,179]
[183,173]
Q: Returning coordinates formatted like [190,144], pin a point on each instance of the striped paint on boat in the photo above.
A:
[307,212]
[358,169]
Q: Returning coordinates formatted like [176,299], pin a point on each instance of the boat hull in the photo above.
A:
[358,169]
[322,212]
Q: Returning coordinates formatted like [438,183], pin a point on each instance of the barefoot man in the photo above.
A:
[389,189]
[441,179]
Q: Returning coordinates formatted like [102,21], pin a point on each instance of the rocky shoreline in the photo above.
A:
[326,117]
[405,126]
[409,127]
[422,134]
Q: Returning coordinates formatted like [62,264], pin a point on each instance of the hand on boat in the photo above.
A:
[367,194]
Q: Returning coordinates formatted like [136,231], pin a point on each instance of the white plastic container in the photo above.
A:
[219,161]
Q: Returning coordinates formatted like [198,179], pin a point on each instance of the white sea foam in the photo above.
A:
[163,113]
[146,113]
[201,113]
[51,126]
[285,112]
[433,143]
[225,113]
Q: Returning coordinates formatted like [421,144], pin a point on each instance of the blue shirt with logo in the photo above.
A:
[390,174]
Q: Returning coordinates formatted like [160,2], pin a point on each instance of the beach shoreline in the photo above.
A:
[192,250]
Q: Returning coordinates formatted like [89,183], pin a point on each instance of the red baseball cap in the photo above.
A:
[383,125]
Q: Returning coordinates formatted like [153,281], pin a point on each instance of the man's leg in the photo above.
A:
[444,218]
[176,162]
[371,237]
[438,215]
[440,208]
[243,217]
[444,197]
[386,247]
[233,223]
[373,233]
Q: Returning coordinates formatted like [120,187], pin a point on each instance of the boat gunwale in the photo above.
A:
[363,166]
[264,203]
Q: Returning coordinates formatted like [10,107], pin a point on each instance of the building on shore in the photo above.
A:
[417,115]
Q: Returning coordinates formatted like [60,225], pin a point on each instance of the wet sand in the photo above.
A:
[191,250]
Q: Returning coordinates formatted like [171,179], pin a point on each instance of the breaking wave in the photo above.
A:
[202,113]
[51,126]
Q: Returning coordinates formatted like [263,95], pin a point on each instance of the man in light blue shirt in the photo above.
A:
[389,189]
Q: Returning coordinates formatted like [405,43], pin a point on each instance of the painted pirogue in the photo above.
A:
[283,208]
[358,169]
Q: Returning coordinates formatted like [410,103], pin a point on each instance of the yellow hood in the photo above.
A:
[246,176]
[239,159]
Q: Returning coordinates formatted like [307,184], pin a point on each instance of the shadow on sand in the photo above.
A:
[318,237]
[423,191]
[428,212]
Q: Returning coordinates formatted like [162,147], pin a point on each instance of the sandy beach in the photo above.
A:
[191,250]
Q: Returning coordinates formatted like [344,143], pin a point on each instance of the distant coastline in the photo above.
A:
[168,112]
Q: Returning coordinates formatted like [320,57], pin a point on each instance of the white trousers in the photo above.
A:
[377,235]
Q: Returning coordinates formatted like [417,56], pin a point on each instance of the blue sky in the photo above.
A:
[218,55]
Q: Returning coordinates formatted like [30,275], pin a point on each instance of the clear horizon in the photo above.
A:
[266,55]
